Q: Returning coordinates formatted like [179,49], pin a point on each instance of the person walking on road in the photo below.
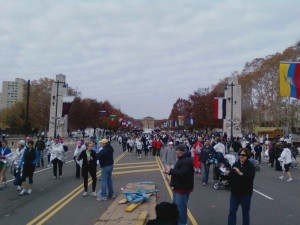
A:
[89,165]
[80,146]
[40,146]
[4,152]
[106,161]
[207,153]
[241,180]
[182,181]
[57,158]
[196,150]
[28,162]
[286,161]
[19,155]
[169,158]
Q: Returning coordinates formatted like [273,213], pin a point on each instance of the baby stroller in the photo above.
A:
[255,163]
[219,174]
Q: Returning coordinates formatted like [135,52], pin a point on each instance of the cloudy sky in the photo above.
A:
[141,55]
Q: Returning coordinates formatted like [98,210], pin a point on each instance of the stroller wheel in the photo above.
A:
[216,185]
[257,168]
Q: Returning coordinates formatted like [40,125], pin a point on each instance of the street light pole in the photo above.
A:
[231,112]
[56,102]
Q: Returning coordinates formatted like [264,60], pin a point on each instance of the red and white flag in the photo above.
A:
[220,108]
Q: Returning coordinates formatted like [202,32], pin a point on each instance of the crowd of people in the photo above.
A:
[185,154]
[29,155]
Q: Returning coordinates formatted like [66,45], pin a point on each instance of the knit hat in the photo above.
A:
[21,143]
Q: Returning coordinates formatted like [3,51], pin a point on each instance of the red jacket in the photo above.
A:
[157,144]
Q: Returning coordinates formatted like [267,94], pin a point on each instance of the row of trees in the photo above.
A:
[84,112]
[262,104]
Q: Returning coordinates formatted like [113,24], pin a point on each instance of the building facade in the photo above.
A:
[148,123]
[12,92]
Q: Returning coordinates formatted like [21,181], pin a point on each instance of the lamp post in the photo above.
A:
[57,82]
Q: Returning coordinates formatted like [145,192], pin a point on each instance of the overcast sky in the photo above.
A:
[141,55]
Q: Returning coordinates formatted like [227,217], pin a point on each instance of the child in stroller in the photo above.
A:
[220,175]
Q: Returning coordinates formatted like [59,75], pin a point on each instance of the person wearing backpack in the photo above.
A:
[206,156]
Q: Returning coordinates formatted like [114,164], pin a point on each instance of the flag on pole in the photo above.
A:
[220,108]
[190,121]
[67,102]
[180,120]
[113,120]
[289,79]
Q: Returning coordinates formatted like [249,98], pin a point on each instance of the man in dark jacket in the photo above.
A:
[182,181]
[106,161]
[207,154]
[40,146]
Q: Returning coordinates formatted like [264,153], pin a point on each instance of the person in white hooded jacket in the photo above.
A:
[80,146]
[286,161]
[57,158]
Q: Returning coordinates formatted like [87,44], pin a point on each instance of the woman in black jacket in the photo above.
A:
[241,182]
[89,165]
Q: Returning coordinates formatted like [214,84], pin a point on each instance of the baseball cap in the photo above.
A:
[104,141]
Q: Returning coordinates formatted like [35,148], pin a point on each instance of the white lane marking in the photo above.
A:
[266,196]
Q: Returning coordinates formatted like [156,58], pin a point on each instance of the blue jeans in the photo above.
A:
[235,201]
[181,201]
[205,172]
[106,182]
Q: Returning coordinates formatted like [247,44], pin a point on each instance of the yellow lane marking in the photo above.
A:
[190,215]
[139,163]
[135,171]
[59,207]
[63,201]
[129,167]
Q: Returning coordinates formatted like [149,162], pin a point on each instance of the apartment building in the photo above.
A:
[12,91]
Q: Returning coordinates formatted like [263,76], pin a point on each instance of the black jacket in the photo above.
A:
[207,152]
[85,163]
[106,156]
[242,185]
[182,176]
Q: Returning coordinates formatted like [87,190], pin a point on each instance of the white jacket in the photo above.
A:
[57,151]
[286,156]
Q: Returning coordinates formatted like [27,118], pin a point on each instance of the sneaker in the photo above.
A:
[29,191]
[19,188]
[60,177]
[102,199]
[23,192]
[84,194]
[204,184]
[289,180]
[94,194]
[54,177]
[281,178]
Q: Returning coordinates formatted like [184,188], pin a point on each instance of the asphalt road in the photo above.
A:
[60,201]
